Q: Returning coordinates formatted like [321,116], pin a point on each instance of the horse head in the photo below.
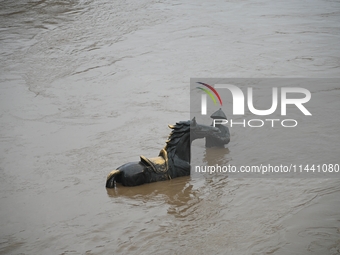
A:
[198,131]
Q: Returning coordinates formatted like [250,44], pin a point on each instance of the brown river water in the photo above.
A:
[86,86]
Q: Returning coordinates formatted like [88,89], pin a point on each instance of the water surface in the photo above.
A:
[88,86]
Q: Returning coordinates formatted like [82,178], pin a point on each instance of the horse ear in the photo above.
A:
[194,123]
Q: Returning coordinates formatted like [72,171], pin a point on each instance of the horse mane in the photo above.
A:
[177,167]
[176,134]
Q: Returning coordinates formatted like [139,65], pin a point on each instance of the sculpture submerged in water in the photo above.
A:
[173,160]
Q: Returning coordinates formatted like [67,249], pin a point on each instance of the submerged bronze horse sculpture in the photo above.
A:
[173,160]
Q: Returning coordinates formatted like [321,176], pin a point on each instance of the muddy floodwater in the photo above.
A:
[86,86]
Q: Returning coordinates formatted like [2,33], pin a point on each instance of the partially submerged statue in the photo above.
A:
[224,137]
[173,160]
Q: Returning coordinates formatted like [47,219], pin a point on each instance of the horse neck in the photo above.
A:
[182,149]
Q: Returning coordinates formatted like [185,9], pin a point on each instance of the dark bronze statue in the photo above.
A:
[224,136]
[173,160]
